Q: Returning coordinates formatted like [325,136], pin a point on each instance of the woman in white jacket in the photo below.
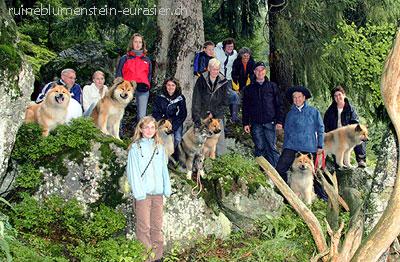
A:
[94,92]
[225,52]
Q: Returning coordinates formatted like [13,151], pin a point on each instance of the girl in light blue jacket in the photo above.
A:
[149,179]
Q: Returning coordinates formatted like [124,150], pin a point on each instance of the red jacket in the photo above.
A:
[137,68]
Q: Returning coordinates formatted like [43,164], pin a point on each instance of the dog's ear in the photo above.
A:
[118,81]
[358,128]
[298,153]
[208,119]
[161,122]
[310,156]
[133,84]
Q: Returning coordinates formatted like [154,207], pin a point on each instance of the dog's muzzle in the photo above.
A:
[303,167]
[364,139]
[124,96]
[217,131]
[59,98]
[169,132]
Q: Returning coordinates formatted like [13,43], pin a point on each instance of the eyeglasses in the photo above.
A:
[149,127]
[70,77]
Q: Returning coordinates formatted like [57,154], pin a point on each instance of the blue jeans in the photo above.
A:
[232,94]
[178,136]
[141,103]
[264,138]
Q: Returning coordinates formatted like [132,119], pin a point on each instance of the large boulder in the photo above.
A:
[16,84]
[85,59]
[376,185]
[91,174]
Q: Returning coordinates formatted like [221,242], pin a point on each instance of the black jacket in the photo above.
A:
[262,104]
[239,75]
[348,116]
[172,108]
[209,98]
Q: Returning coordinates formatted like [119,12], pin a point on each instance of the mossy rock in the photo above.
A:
[85,59]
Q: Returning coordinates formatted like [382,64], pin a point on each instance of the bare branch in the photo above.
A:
[387,228]
[305,213]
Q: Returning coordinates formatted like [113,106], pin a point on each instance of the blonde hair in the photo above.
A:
[138,130]
[98,72]
[215,63]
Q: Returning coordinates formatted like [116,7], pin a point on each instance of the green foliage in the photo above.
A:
[102,225]
[115,249]
[37,55]
[229,168]
[10,58]
[31,150]
[361,52]
[53,224]
[29,177]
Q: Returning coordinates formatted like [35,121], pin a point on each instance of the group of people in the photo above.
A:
[225,78]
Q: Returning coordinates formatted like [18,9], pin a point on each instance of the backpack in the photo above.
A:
[196,68]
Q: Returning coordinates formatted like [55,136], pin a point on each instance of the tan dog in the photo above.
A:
[301,179]
[109,110]
[200,142]
[166,134]
[52,111]
[340,142]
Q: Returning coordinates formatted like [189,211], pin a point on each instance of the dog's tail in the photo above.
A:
[89,111]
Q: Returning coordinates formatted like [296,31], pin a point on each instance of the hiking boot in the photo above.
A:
[362,164]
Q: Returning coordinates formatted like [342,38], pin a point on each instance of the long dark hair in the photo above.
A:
[178,90]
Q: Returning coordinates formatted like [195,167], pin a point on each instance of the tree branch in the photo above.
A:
[305,213]
[387,228]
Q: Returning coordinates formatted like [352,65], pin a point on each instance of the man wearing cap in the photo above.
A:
[263,114]
[304,132]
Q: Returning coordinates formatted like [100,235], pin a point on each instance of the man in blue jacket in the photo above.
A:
[304,132]
[263,114]
[68,78]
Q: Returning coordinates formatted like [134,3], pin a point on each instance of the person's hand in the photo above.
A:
[278,127]
[320,150]
[247,129]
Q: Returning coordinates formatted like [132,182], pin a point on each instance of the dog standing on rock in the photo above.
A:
[109,110]
[341,142]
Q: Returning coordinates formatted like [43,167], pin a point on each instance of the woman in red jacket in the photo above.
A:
[136,66]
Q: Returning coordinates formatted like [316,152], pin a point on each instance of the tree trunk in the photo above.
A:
[280,63]
[387,229]
[180,36]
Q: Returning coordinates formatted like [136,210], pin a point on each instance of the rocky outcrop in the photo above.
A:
[85,59]
[94,179]
[376,185]
[16,84]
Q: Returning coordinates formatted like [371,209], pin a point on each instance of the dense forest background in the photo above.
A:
[319,44]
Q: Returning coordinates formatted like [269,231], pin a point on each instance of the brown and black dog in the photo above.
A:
[52,111]
[109,110]
[201,142]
